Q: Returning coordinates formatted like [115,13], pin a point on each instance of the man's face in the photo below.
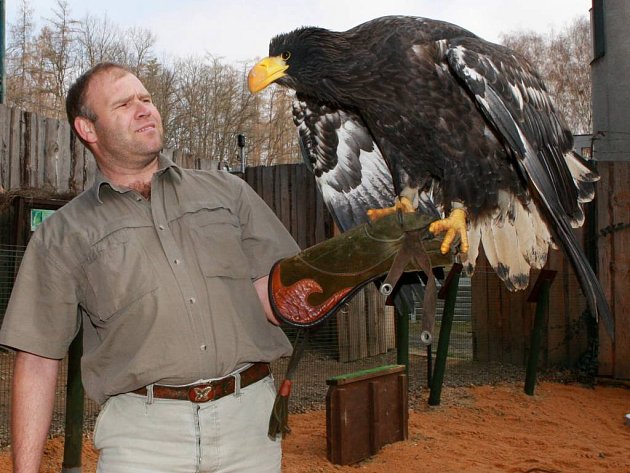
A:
[128,127]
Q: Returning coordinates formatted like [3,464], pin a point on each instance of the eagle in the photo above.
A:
[417,114]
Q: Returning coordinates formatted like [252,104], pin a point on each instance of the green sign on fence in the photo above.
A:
[38,216]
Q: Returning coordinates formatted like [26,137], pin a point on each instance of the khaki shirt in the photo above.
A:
[164,287]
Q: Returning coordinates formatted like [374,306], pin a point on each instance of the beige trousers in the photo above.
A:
[138,435]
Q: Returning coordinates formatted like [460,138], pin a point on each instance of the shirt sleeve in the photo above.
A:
[42,315]
[265,239]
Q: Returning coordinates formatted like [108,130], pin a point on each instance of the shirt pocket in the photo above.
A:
[119,272]
[218,245]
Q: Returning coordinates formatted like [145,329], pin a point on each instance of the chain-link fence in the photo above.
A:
[321,360]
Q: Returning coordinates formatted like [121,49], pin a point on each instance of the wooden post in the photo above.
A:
[540,295]
[402,338]
[449,293]
[74,409]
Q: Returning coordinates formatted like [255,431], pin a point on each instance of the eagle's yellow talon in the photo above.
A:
[454,225]
[401,203]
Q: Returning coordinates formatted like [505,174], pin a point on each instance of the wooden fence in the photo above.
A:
[40,153]
[365,326]
[613,243]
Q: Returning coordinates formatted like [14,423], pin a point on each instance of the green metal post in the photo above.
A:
[402,339]
[542,305]
[444,338]
[74,409]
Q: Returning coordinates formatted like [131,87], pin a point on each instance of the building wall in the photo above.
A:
[611,80]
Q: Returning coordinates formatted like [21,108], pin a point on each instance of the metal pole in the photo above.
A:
[429,364]
[445,335]
[3,34]
[539,321]
[240,141]
[74,409]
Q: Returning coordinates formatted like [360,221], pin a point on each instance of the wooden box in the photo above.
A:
[364,411]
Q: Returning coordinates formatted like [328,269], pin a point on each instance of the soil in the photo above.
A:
[491,428]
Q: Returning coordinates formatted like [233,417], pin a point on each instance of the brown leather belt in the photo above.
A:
[212,391]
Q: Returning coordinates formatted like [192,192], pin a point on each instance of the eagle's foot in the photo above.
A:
[401,203]
[453,225]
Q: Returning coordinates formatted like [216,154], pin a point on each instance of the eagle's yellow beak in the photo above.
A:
[265,72]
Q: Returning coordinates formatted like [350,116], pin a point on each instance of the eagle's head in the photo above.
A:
[312,61]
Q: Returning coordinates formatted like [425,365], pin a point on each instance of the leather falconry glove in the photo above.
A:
[308,288]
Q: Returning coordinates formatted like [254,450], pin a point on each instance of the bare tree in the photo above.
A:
[20,57]
[562,59]
[159,80]
[98,40]
[59,54]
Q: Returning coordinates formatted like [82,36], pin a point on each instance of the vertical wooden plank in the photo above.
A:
[605,261]
[5,127]
[51,154]
[553,350]
[320,217]
[266,191]
[374,333]
[77,165]
[309,210]
[15,135]
[40,151]
[495,309]
[517,309]
[479,298]
[381,321]
[29,164]
[356,311]
[621,269]
[293,179]
[299,203]
[277,190]
[65,156]
[342,334]
[389,315]
[285,199]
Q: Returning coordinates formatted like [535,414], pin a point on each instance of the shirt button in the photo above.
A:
[176,261]
[161,227]
[203,347]
[192,300]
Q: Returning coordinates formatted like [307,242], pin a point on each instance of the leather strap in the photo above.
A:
[204,392]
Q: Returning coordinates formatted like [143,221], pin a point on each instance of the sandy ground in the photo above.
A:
[563,428]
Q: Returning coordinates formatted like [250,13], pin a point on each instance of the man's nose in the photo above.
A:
[143,109]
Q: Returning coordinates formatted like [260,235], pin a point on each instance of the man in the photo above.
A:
[167,270]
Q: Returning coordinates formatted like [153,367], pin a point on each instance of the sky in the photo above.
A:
[238,30]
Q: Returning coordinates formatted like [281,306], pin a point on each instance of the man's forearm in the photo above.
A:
[261,289]
[33,396]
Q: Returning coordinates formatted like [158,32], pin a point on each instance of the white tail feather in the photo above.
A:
[515,239]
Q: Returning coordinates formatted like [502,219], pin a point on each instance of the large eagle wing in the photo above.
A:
[350,171]
[352,175]
[516,103]
[515,100]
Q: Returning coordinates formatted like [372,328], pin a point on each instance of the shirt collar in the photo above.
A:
[164,165]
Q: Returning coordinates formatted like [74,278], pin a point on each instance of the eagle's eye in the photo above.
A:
[285,55]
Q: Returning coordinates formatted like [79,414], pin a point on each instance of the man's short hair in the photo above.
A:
[76,99]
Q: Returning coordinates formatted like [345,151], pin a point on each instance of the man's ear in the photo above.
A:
[85,129]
